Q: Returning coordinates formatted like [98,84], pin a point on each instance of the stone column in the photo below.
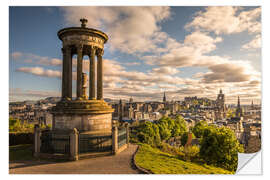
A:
[115,139]
[92,79]
[74,145]
[100,74]
[64,73]
[79,70]
[37,143]
[69,72]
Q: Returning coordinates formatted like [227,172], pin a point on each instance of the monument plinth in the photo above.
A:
[90,113]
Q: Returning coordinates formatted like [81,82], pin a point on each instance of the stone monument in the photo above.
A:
[90,113]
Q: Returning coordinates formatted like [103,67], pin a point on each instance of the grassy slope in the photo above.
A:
[163,163]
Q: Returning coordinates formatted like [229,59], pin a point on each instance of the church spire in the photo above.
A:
[238,109]
[164,97]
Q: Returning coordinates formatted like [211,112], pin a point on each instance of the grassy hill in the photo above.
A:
[163,163]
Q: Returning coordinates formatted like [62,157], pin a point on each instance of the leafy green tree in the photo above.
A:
[199,128]
[219,146]
[180,127]
[14,125]
[164,131]
[148,133]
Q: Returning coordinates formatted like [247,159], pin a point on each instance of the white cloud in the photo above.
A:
[254,43]
[39,71]
[130,29]
[165,70]
[36,59]
[227,20]
[17,94]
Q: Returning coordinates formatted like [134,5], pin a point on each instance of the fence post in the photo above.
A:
[115,139]
[127,134]
[37,143]
[74,145]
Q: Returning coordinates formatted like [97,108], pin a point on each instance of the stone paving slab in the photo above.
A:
[115,164]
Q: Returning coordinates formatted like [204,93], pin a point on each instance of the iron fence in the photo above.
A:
[89,143]
[122,137]
[54,142]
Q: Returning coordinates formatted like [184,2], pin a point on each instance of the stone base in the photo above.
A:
[95,123]
[94,116]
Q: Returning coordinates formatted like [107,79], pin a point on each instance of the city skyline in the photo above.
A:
[185,51]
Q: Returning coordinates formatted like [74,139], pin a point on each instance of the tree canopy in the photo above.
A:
[220,147]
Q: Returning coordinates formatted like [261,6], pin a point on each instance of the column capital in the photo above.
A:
[100,52]
[93,50]
[79,47]
[65,49]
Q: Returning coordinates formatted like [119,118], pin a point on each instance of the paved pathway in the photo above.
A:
[117,164]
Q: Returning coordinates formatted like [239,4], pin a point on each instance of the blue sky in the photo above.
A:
[185,51]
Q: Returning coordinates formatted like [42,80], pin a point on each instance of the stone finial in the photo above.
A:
[83,21]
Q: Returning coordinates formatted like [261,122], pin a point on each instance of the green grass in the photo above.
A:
[163,163]
[21,152]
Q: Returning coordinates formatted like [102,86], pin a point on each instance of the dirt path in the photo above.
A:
[117,164]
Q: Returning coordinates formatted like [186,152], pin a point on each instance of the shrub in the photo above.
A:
[191,152]
[164,147]
[21,138]
[199,128]
[220,147]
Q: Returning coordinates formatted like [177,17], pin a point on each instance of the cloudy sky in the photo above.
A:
[185,51]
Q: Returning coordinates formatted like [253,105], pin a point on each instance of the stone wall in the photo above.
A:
[93,122]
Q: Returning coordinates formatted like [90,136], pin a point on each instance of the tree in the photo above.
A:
[164,131]
[199,128]
[149,133]
[220,147]
[14,125]
[180,127]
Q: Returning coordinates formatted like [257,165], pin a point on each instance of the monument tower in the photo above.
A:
[87,113]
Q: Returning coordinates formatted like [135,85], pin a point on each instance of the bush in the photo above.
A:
[21,138]
[192,153]
[164,147]
[15,125]
[148,133]
[220,147]
[199,128]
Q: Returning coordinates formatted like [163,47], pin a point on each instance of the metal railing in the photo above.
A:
[122,137]
[89,143]
[53,142]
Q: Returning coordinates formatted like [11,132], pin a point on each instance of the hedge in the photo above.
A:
[21,138]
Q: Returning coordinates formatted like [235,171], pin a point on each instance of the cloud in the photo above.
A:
[39,71]
[132,63]
[16,55]
[131,29]
[254,43]
[165,70]
[227,20]
[137,31]
[201,41]
[36,59]
[18,94]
